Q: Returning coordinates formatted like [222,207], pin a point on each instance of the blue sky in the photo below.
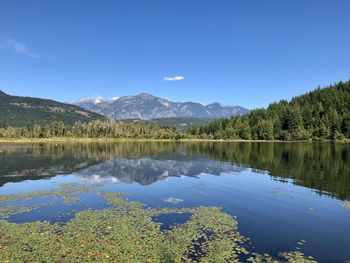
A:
[247,53]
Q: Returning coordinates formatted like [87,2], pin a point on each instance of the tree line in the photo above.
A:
[94,129]
[320,114]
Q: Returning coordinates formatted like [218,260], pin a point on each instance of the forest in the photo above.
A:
[19,111]
[321,114]
[94,129]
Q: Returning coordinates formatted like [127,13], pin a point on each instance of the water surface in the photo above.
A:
[281,193]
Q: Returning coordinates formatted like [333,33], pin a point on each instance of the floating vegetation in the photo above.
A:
[69,192]
[347,205]
[126,232]
[301,242]
[168,221]
[10,210]
[290,257]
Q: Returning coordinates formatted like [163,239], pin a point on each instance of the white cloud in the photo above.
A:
[173,200]
[174,78]
[16,46]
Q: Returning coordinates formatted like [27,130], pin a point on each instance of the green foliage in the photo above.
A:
[25,112]
[320,114]
[181,123]
[264,130]
[94,129]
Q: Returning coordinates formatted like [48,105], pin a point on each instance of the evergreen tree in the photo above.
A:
[265,130]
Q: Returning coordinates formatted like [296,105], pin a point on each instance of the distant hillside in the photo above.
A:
[320,114]
[181,123]
[146,107]
[26,111]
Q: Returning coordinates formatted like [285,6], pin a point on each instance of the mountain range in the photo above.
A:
[26,111]
[19,111]
[145,106]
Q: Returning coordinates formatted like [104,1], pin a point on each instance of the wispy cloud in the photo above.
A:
[17,47]
[173,78]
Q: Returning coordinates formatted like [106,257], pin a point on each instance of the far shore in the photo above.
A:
[101,140]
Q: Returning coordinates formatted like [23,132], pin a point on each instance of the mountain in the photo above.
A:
[146,107]
[26,111]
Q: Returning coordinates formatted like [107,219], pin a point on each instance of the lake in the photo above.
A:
[284,196]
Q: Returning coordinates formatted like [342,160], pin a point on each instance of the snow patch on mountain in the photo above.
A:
[146,106]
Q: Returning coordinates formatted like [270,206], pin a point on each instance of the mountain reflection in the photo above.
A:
[147,171]
[324,167]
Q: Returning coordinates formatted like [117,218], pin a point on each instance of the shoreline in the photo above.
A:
[111,140]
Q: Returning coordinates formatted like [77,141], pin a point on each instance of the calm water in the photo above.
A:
[281,193]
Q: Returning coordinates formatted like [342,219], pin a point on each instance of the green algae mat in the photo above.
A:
[124,232]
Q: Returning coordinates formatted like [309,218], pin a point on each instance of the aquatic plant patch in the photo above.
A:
[168,221]
[347,205]
[69,192]
[126,232]
[10,210]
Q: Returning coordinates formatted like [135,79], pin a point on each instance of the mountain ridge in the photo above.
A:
[26,111]
[146,106]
